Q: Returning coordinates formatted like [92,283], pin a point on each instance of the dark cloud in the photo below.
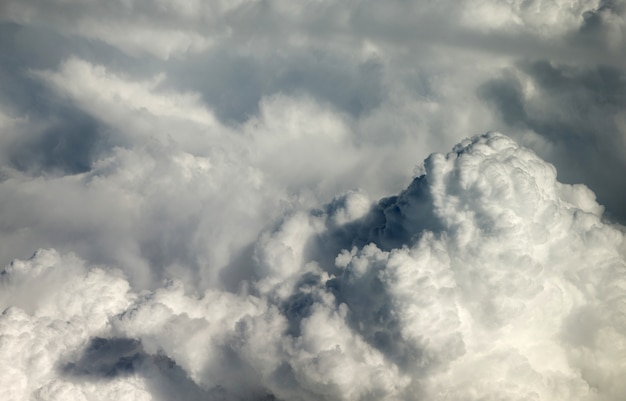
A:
[107,358]
[604,26]
[110,359]
[391,223]
[68,145]
[233,83]
[56,137]
[579,112]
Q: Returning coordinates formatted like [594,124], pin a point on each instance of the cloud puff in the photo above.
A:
[476,281]
[486,277]
[52,305]
[537,99]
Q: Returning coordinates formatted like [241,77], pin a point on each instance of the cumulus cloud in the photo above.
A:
[52,305]
[473,280]
[208,185]
[485,277]
[537,101]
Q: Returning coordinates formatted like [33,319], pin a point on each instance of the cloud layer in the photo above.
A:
[486,277]
[206,188]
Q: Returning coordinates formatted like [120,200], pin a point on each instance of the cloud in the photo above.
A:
[604,26]
[211,187]
[52,305]
[116,24]
[575,115]
[146,194]
[491,280]
[485,277]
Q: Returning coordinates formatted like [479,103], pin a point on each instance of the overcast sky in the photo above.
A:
[315,200]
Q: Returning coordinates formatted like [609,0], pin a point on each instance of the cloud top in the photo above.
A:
[485,278]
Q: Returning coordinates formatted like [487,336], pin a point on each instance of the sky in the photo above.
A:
[319,200]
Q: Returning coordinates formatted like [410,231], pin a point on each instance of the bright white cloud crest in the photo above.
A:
[514,291]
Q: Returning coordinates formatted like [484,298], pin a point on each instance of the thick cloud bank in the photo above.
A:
[393,82]
[202,181]
[484,279]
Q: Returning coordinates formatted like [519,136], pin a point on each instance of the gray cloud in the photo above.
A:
[234,84]
[201,177]
[579,113]
[603,27]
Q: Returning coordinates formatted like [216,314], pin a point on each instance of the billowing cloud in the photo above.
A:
[573,116]
[476,281]
[206,188]
[485,277]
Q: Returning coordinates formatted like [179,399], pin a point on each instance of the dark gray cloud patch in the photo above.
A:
[579,112]
[54,136]
[31,47]
[604,26]
[505,95]
[233,83]
[110,359]
[68,145]
[390,223]
[107,358]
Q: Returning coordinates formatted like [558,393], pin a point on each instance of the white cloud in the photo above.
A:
[501,283]
[52,306]
[111,97]
[485,277]
[203,176]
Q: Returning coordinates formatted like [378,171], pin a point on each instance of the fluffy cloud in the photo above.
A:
[486,277]
[407,76]
[202,176]
[52,306]
[159,167]
[537,99]
[477,281]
